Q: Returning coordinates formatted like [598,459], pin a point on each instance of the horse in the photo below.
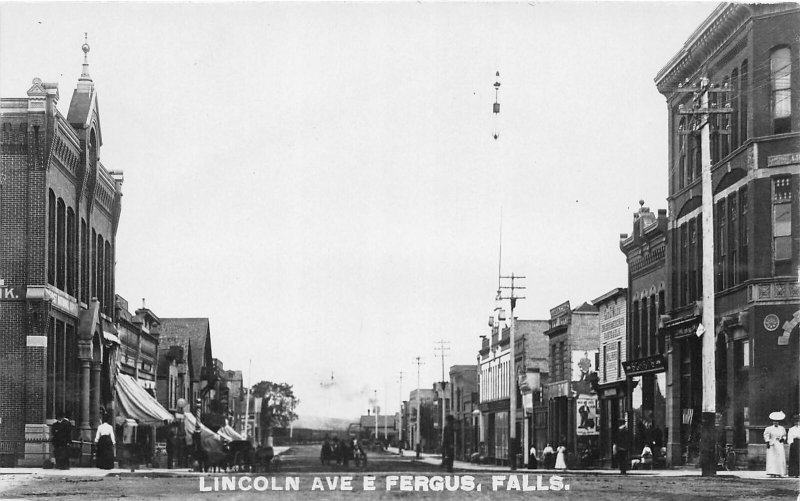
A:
[262,458]
[240,455]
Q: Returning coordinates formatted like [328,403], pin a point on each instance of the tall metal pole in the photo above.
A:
[400,415]
[708,432]
[418,446]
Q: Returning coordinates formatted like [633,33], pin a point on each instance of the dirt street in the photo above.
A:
[303,478]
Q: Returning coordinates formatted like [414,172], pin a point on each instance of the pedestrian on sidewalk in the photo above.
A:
[549,456]
[448,445]
[620,448]
[561,458]
[793,437]
[172,443]
[105,442]
[533,461]
[775,436]
[61,437]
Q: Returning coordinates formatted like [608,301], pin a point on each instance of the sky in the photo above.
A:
[321,180]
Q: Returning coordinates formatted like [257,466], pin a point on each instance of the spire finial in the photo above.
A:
[85,48]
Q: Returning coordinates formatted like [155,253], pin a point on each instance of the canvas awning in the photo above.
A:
[229,433]
[209,439]
[136,403]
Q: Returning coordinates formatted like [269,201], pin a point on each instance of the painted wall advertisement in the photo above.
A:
[587,419]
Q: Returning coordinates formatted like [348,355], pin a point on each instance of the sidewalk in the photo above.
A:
[436,460]
[97,472]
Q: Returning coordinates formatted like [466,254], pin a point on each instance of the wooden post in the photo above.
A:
[708,437]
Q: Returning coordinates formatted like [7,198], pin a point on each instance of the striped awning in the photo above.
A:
[136,403]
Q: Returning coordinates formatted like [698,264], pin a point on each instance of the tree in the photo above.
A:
[277,406]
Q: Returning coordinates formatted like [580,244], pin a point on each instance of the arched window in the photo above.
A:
[93,261]
[780,80]
[682,153]
[744,100]
[71,253]
[61,255]
[51,238]
[109,296]
[697,162]
[643,328]
[98,266]
[635,337]
[724,122]
[84,251]
[737,108]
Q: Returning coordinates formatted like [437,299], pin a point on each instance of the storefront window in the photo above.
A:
[649,411]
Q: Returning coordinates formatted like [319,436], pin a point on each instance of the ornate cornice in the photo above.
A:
[709,37]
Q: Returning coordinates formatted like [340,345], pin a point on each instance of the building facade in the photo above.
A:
[194,335]
[750,52]
[464,397]
[59,213]
[646,367]
[574,339]
[533,368]
[612,311]
[427,440]
[494,366]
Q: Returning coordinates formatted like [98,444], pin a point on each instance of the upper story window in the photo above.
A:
[780,80]
[782,218]
[744,100]
[682,154]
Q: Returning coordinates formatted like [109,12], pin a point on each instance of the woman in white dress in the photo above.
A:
[775,436]
[561,462]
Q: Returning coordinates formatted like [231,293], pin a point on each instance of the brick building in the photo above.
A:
[139,335]
[463,389]
[646,369]
[751,50]
[428,440]
[533,369]
[234,402]
[59,211]
[574,339]
[612,310]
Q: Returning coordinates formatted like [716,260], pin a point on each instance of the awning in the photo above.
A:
[229,433]
[209,439]
[136,403]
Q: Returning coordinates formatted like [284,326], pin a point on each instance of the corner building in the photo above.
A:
[751,50]
[59,212]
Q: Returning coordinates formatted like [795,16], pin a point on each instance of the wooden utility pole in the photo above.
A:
[417,444]
[512,372]
[707,329]
[442,348]
[400,414]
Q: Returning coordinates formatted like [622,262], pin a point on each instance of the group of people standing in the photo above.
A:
[550,459]
[774,438]
[341,451]
[61,435]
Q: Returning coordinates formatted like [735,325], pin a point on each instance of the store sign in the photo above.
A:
[559,310]
[587,419]
[788,159]
[8,292]
[644,365]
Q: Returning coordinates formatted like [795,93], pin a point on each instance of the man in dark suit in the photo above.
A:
[61,437]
